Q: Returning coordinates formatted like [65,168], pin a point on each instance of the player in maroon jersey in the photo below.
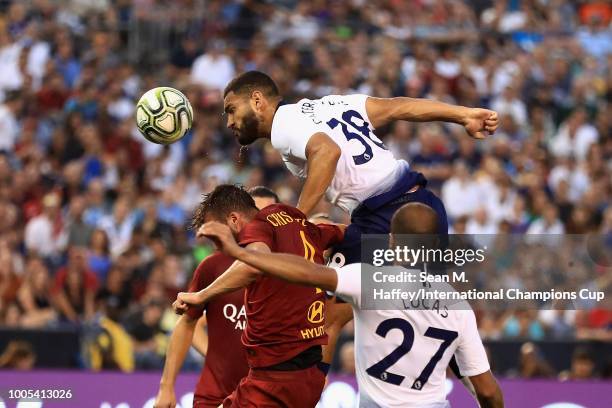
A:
[225,319]
[285,322]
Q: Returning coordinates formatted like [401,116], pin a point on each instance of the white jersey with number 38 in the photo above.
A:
[366,168]
[402,355]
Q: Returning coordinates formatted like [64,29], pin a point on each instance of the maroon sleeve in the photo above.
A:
[257,231]
[330,235]
[202,277]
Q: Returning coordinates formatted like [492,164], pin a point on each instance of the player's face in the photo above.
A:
[234,220]
[241,118]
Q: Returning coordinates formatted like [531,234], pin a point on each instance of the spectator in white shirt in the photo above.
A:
[461,194]
[45,234]
[548,224]
[574,137]
[213,69]
[119,226]
[481,223]
[9,126]
[508,103]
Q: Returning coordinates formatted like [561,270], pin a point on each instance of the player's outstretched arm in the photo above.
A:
[322,155]
[477,122]
[180,341]
[291,268]
[487,390]
[239,275]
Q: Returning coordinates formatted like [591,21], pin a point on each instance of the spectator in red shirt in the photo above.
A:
[75,287]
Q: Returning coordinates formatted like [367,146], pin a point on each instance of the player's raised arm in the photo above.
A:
[477,122]
[291,268]
[322,155]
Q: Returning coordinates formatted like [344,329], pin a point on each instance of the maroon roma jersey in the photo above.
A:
[225,363]
[284,319]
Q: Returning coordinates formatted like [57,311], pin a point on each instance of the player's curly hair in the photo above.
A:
[217,204]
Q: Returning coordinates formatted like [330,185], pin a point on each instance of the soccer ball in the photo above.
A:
[163,115]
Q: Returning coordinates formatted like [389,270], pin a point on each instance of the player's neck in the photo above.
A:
[248,217]
[269,117]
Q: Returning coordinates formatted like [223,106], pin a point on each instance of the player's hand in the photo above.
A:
[479,123]
[180,307]
[221,235]
[165,398]
[186,299]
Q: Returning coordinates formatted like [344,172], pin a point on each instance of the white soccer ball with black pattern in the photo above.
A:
[164,115]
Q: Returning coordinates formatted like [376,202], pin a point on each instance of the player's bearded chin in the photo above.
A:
[248,132]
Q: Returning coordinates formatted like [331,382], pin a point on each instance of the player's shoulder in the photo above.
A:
[460,316]
[292,120]
[344,100]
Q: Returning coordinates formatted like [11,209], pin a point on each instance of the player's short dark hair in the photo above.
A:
[250,81]
[224,199]
[264,192]
[414,218]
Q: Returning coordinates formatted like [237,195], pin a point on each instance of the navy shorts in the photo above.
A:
[377,221]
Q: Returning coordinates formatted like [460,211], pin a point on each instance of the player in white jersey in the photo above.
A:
[331,143]
[401,355]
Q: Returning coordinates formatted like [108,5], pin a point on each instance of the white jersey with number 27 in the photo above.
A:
[365,169]
[401,355]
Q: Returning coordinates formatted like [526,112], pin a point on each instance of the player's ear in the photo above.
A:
[257,101]
[232,219]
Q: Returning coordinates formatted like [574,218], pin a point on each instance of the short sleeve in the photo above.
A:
[349,283]
[470,354]
[330,235]
[257,231]
[291,131]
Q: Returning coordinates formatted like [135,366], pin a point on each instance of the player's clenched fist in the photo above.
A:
[478,121]
[186,299]
[179,306]
[221,235]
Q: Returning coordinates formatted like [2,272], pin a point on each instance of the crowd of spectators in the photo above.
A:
[93,217]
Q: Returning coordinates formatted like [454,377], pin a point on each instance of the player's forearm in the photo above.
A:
[493,401]
[488,393]
[238,276]
[383,111]
[311,194]
[425,110]
[180,341]
[200,337]
[321,170]
[291,268]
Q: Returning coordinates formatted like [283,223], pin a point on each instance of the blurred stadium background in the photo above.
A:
[93,244]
